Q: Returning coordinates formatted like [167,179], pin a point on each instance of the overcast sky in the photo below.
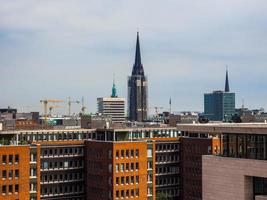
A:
[54,49]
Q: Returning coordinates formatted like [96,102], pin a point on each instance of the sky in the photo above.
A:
[56,49]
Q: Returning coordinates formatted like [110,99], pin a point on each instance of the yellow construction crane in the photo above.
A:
[51,108]
[71,102]
[45,103]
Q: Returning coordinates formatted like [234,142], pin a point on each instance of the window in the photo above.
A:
[136,166]
[132,166]
[132,153]
[3,189]
[149,178]
[16,173]
[127,167]
[10,174]
[10,159]
[127,153]
[137,192]
[117,194]
[122,153]
[16,158]
[10,189]
[122,180]
[137,180]
[132,192]
[117,167]
[117,180]
[122,167]
[149,152]
[117,154]
[16,188]
[3,159]
[132,179]
[122,193]
[149,165]
[66,164]
[4,174]
[137,152]
[127,180]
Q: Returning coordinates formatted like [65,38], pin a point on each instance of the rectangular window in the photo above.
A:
[132,179]
[137,152]
[132,153]
[4,174]
[4,159]
[16,188]
[127,180]
[10,159]
[122,167]
[137,192]
[117,167]
[117,154]
[4,189]
[132,166]
[127,153]
[122,153]
[16,158]
[10,174]
[137,180]
[127,166]
[136,166]
[132,192]
[117,180]
[117,194]
[16,173]
[122,193]
[149,152]
[122,180]
[10,189]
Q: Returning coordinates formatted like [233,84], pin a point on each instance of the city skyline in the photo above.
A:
[51,50]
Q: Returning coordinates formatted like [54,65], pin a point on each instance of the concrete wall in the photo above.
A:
[230,178]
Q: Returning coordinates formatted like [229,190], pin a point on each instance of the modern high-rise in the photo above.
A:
[112,106]
[137,89]
[220,105]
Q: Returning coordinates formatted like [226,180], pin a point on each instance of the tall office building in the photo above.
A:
[220,105]
[137,89]
[112,106]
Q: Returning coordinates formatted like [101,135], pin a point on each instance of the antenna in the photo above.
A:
[170,103]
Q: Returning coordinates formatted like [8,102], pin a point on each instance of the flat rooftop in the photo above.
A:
[218,128]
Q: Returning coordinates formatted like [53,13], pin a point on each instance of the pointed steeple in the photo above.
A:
[226,82]
[114,90]
[138,67]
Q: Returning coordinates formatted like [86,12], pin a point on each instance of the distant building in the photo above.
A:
[137,89]
[112,106]
[220,105]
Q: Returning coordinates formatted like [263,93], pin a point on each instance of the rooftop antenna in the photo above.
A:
[170,103]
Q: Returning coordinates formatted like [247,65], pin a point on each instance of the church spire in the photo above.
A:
[138,67]
[226,82]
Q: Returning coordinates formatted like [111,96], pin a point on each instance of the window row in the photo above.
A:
[62,165]
[62,177]
[167,169]
[168,193]
[10,189]
[10,159]
[126,153]
[54,137]
[127,180]
[127,193]
[127,167]
[167,181]
[62,151]
[167,158]
[61,189]
[167,147]
[10,174]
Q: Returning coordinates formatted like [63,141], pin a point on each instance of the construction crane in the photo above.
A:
[45,103]
[157,108]
[83,107]
[70,102]
[51,108]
